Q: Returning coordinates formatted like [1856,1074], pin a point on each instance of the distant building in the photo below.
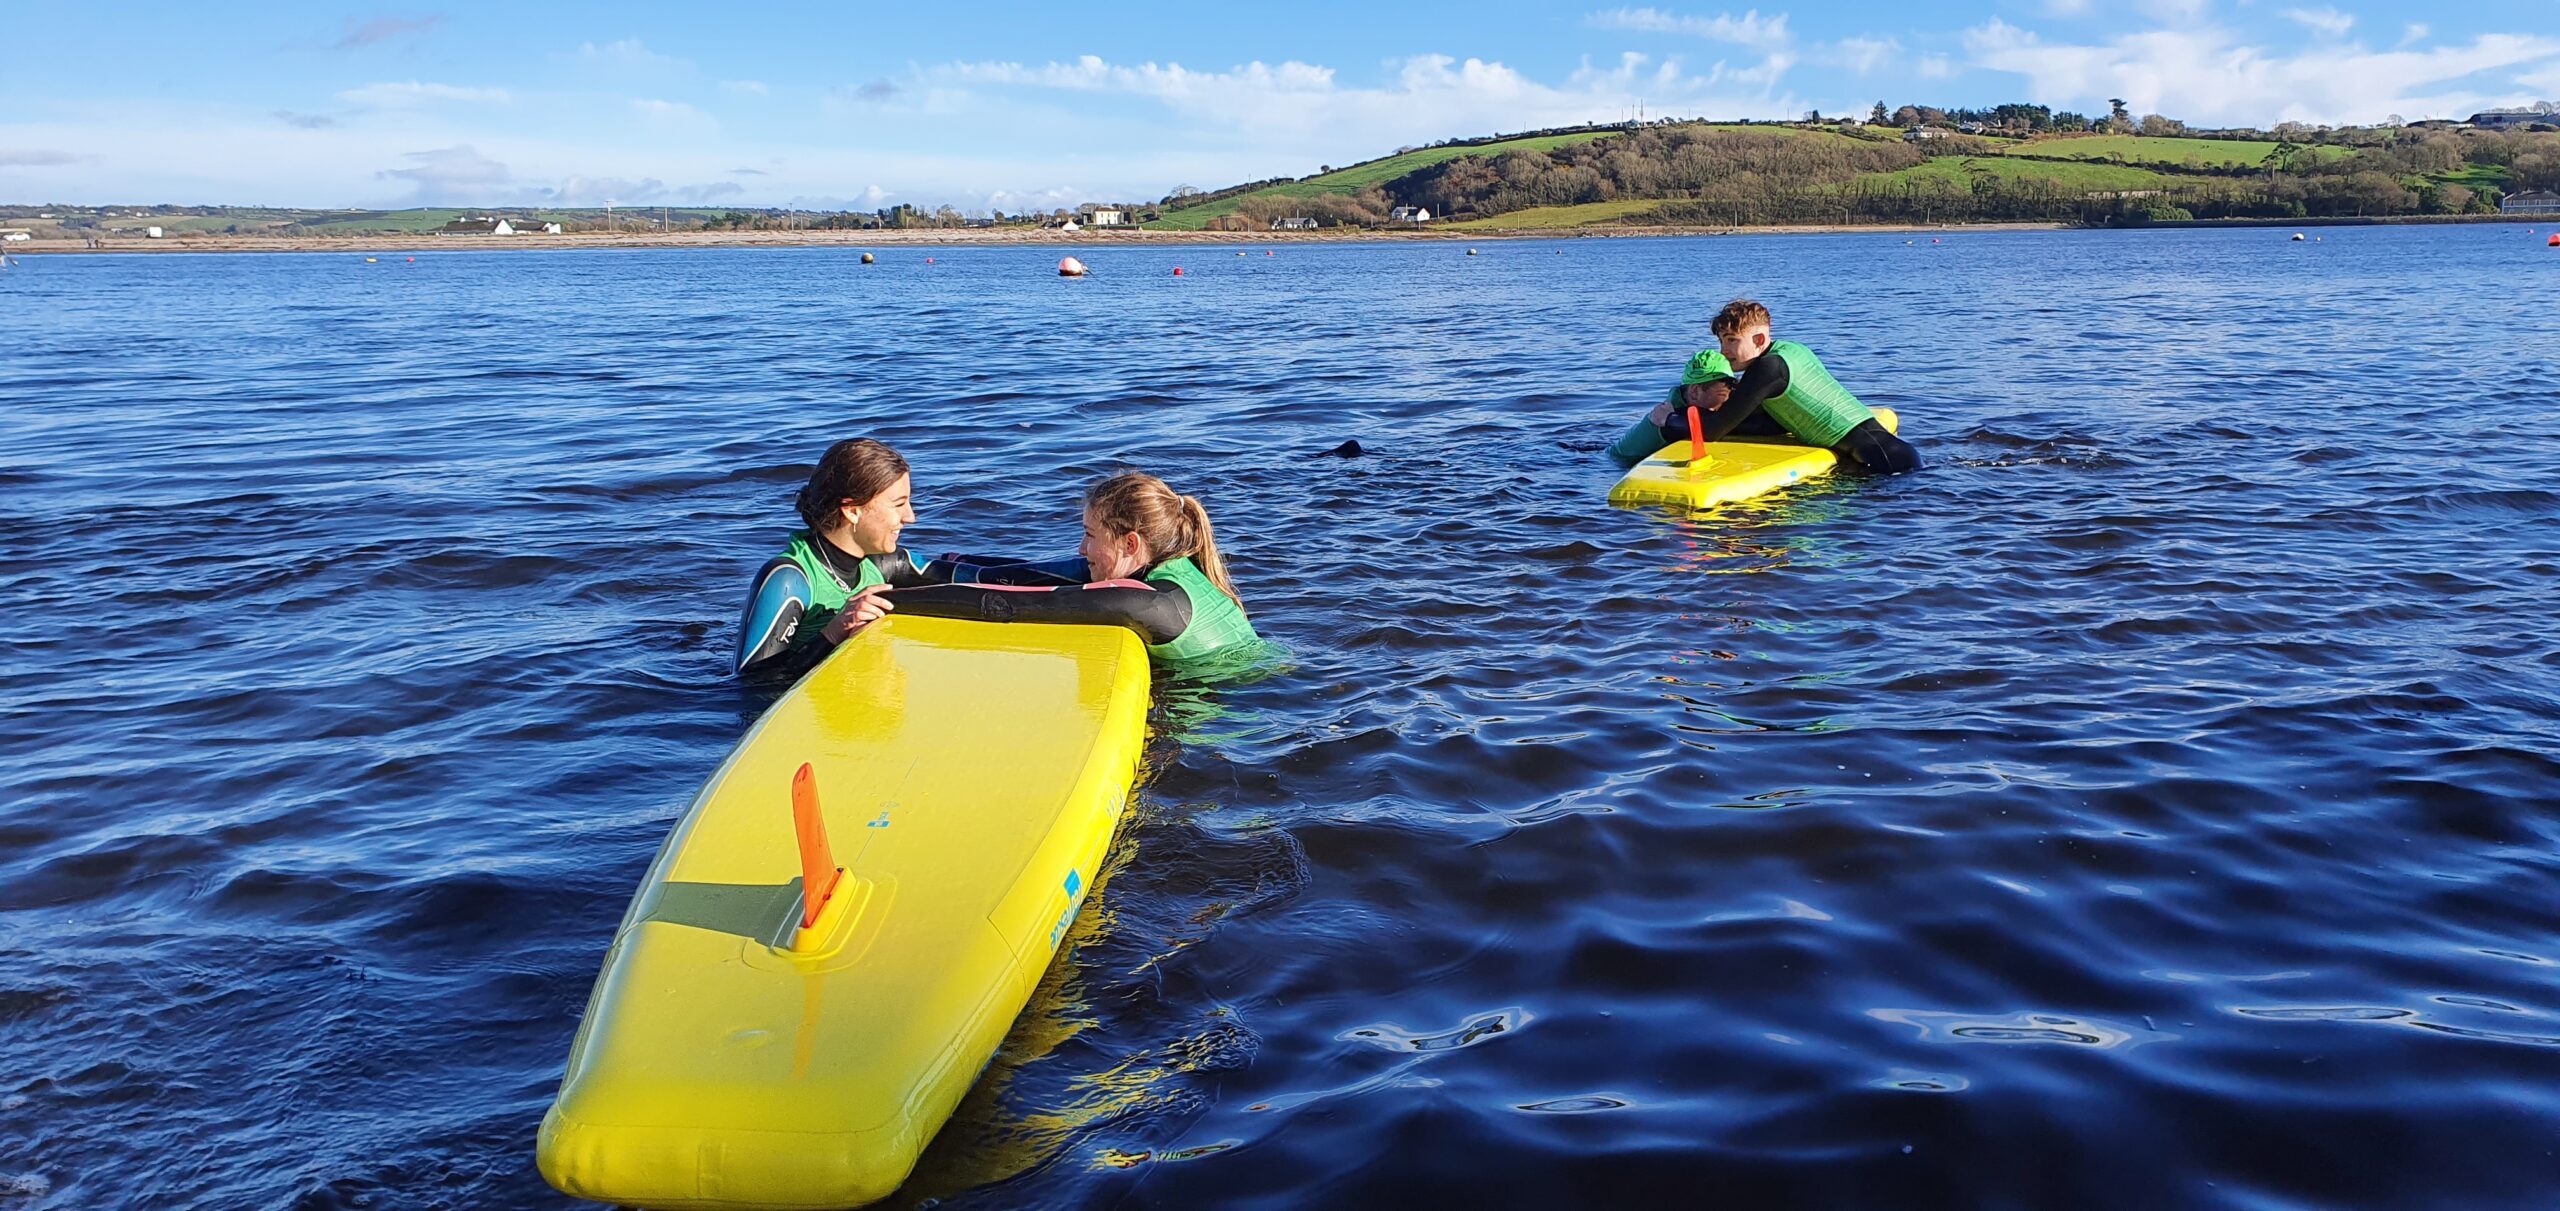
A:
[2513,119]
[151,233]
[484,225]
[15,235]
[1919,133]
[1298,224]
[1409,214]
[2539,201]
[1104,216]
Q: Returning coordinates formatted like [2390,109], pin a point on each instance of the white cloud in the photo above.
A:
[412,94]
[674,111]
[2175,12]
[629,54]
[1749,29]
[36,157]
[2067,8]
[2326,22]
[2207,75]
[2417,32]
[1168,82]
[383,29]
[457,174]
[750,87]
[1936,67]
[1864,55]
[1303,106]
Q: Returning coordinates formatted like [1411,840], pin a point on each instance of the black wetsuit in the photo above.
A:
[1869,445]
[1159,611]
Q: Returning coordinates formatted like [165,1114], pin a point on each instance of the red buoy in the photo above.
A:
[2555,239]
[1177,271]
[1069,267]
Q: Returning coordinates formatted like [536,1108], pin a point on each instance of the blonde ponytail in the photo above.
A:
[1205,551]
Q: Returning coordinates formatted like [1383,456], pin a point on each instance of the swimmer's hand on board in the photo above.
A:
[867,607]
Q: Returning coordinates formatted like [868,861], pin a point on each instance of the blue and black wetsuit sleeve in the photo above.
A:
[1766,379]
[781,635]
[1159,613]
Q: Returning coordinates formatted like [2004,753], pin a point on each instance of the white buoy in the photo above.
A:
[2297,237]
[1069,267]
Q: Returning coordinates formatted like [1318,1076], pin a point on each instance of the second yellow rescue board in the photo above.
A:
[1734,469]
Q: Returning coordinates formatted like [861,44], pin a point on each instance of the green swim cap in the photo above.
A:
[1708,367]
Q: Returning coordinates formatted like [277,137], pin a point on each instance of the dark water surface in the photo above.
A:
[2154,803]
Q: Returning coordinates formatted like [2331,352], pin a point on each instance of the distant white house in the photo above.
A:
[1919,133]
[1299,224]
[2532,202]
[1105,217]
[1409,214]
[1070,225]
[151,233]
[488,225]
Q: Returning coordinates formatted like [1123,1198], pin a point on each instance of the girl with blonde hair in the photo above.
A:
[1151,565]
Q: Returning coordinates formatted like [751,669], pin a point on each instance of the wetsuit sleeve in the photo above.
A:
[1158,613]
[996,569]
[1767,378]
[898,568]
[781,635]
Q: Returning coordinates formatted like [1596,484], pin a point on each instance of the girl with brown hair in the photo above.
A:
[828,582]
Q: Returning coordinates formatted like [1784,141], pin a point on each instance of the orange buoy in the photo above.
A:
[2555,239]
[1069,267]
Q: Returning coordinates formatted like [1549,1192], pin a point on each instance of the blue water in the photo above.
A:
[2153,803]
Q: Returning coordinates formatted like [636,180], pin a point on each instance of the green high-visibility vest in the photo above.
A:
[1814,407]
[1217,622]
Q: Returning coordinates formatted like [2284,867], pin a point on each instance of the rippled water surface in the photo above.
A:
[2153,803]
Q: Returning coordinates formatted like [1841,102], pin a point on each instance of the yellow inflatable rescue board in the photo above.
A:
[1733,469]
[949,789]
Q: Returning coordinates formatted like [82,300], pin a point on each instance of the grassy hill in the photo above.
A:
[1958,171]
[1363,175]
[2152,149]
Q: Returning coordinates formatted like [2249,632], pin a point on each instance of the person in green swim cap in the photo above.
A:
[1705,384]
[1151,565]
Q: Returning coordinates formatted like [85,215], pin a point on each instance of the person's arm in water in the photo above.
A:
[1158,612]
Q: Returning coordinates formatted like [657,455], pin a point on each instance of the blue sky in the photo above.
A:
[1021,107]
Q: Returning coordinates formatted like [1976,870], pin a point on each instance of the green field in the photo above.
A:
[2475,176]
[1549,218]
[2148,149]
[1952,172]
[1361,176]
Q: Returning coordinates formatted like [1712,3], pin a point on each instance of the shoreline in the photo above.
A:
[856,239]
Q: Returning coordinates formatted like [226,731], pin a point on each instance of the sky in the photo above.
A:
[1028,107]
